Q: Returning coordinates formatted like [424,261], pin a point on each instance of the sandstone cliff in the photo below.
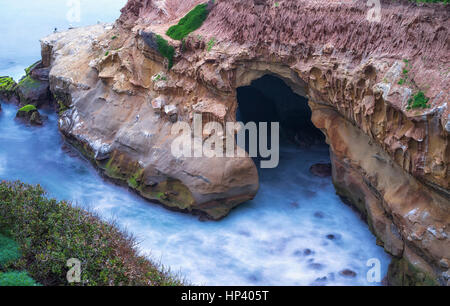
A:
[118,101]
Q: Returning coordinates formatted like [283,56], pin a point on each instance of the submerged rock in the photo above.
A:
[348,273]
[321,170]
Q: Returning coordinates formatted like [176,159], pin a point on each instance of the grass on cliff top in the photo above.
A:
[189,23]
[49,233]
[28,108]
[165,49]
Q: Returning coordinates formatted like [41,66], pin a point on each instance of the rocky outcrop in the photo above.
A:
[364,80]
[32,89]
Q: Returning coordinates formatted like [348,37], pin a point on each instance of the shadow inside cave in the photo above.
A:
[270,99]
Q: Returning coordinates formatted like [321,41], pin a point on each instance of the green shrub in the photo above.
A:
[16,279]
[419,100]
[189,23]
[165,49]
[9,251]
[28,108]
[50,233]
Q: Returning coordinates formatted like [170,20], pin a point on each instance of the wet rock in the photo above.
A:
[444,263]
[295,204]
[30,114]
[7,89]
[307,252]
[319,215]
[333,237]
[348,273]
[321,281]
[316,266]
[321,170]
[41,74]
[34,87]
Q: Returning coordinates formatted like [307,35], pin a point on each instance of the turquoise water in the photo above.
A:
[280,238]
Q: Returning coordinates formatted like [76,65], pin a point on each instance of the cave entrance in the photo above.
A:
[270,99]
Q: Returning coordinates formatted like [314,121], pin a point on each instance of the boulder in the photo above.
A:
[33,88]
[7,88]
[30,114]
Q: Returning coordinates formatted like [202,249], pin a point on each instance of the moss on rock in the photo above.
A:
[28,108]
[30,114]
[7,87]
[189,23]
[403,273]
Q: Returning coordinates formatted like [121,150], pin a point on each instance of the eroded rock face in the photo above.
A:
[118,103]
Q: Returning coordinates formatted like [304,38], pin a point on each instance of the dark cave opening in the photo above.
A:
[270,99]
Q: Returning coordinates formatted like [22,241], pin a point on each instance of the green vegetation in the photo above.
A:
[159,77]
[7,87]
[16,279]
[49,233]
[211,43]
[9,254]
[106,53]
[28,70]
[165,49]
[189,23]
[28,82]
[419,100]
[7,84]
[62,107]
[28,108]
[405,76]
[9,251]
[114,37]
